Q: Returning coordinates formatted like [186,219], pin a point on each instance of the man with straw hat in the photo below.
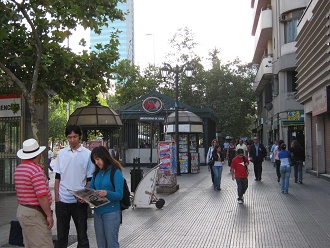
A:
[33,194]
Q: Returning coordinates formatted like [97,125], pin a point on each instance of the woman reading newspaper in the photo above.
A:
[107,217]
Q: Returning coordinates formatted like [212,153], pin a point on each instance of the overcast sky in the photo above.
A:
[225,24]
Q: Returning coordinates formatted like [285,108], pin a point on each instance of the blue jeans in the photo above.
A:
[78,212]
[107,229]
[285,176]
[217,170]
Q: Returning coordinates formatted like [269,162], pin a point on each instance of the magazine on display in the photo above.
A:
[90,196]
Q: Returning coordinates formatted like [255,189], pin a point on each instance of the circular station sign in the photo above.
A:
[152,105]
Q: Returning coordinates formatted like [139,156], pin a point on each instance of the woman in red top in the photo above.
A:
[239,171]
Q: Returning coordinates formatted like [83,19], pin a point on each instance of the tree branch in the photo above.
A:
[38,46]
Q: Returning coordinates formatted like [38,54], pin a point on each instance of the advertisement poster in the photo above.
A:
[183,158]
[167,167]
[194,162]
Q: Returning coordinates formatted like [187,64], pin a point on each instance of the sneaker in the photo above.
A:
[240,201]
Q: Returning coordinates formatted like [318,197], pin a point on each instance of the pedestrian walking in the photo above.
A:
[277,149]
[218,159]
[285,168]
[257,154]
[242,145]
[50,156]
[272,149]
[239,171]
[74,170]
[209,157]
[298,154]
[115,153]
[107,218]
[34,198]
[231,152]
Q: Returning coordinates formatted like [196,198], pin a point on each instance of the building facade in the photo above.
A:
[313,84]
[125,35]
[280,115]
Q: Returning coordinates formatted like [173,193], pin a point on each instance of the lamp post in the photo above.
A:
[187,68]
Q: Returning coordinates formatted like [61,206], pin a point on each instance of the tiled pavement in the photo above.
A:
[198,216]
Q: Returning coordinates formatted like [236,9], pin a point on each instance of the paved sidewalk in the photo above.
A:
[198,216]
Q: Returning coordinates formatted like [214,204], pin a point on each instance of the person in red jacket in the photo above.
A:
[239,171]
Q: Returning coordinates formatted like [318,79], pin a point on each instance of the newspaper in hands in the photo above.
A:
[90,196]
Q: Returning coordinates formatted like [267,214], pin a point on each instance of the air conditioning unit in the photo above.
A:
[283,18]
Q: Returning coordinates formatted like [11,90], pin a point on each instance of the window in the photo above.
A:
[291,80]
[290,26]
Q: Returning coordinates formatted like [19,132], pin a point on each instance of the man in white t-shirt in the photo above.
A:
[74,170]
[241,145]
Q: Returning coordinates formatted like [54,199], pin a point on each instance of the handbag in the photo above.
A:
[211,162]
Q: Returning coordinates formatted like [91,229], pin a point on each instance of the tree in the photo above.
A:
[230,93]
[131,84]
[35,64]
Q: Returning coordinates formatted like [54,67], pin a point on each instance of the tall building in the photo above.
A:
[274,26]
[313,84]
[126,35]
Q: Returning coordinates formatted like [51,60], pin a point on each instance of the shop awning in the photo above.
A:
[293,123]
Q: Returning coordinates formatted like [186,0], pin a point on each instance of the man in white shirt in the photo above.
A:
[74,170]
[241,145]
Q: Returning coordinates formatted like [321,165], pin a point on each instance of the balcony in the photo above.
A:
[264,74]
[258,5]
[263,34]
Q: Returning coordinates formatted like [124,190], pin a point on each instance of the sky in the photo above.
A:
[224,24]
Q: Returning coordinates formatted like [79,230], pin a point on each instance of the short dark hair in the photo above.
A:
[73,128]
[283,146]
[240,151]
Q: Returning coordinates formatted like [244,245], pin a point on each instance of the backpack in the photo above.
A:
[125,203]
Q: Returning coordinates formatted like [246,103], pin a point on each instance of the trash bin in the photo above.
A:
[136,174]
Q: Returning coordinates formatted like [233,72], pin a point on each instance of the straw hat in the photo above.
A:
[30,149]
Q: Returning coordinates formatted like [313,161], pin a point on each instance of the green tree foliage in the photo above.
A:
[35,64]
[131,84]
[229,92]
[57,119]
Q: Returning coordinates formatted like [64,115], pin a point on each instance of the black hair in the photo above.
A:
[102,153]
[240,151]
[283,147]
[73,128]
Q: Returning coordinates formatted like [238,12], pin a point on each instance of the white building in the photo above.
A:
[274,26]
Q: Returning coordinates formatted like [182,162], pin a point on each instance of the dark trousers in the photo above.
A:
[242,185]
[212,174]
[257,168]
[277,165]
[78,212]
[297,168]
[49,167]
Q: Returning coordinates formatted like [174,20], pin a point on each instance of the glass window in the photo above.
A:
[290,26]
[291,80]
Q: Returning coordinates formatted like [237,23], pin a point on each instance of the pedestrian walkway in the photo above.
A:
[198,216]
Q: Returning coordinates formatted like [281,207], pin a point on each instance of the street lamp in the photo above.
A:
[187,68]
